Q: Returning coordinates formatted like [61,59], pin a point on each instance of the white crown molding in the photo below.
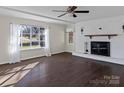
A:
[20,13]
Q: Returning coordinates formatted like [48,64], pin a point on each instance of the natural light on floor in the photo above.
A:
[12,76]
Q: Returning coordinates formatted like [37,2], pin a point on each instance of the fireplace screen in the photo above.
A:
[100,48]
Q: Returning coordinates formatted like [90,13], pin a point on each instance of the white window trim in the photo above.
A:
[39,41]
[32,48]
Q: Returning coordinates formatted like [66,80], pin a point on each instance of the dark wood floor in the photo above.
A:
[61,70]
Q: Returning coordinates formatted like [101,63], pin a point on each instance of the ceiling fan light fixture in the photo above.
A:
[71,10]
[74,15]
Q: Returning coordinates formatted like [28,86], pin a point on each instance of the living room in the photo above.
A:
[61,46]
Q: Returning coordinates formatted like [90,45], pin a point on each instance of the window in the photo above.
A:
[31,37]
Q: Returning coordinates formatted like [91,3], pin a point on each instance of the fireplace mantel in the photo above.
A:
[96,35]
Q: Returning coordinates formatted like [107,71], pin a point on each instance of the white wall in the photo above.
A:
[109,26]
[31,53]
[56,38]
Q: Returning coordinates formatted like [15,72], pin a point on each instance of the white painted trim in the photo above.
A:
[32,57]
[4,62]
[40,56]
[69,51]
[57,52]
[101,58]
[36,15]
[31,49]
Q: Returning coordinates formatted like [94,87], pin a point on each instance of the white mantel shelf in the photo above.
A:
[96,35]
[100,58]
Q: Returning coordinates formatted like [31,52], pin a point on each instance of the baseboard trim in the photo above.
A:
[58,52]
[23,59]
[100,58]
[5,62]
[69,51]
[32,57]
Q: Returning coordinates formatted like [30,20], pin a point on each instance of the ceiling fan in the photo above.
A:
[71,10]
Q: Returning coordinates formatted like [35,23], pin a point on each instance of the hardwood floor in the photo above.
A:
[61,70]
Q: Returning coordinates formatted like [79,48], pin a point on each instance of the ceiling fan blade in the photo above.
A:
[58,11]
[72,8]
[83,11]
[62,15]
[74,15]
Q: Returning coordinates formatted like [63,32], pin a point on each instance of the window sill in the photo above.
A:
[32,48]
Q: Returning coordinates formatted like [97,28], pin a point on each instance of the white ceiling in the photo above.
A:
[96,12]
